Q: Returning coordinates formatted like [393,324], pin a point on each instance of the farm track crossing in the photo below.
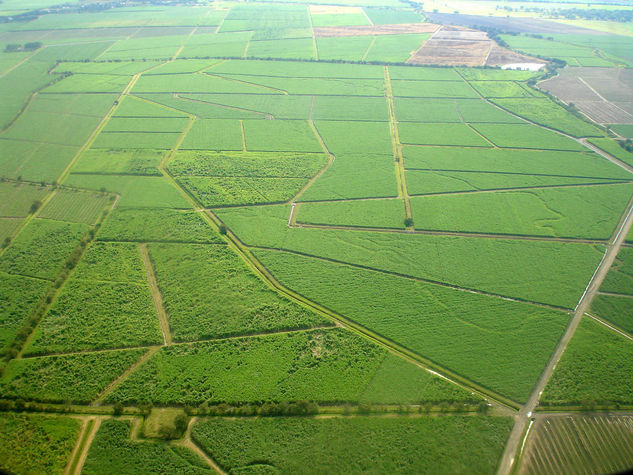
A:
[522,418]
[188,442]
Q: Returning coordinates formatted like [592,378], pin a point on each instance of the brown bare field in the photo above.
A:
[337,31]
[575,444]
[605,95]
[459,46]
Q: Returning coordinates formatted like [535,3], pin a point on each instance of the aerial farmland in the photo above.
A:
[367,236]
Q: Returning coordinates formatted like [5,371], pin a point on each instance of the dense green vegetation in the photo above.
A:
[36,443]
[209,292]
[355,445]
[594,370]
[616,310]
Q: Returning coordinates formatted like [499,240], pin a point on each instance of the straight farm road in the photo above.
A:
[525,414]
[156,295]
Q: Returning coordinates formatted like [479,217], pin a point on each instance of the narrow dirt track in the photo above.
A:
[522,419]
[163,319]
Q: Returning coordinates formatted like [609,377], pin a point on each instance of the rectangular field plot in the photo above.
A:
[90,315]
[440,134]
[354,175]
[590,212]
[352,48]
[89,83]
[356,445]
[525,162]
[197,82]
[119,161]
[411,109]
[425,182]
[246,106]
[424,74]
[113,448]
[394,48]
[41,248]
[16,199]
[209,292]
[78,378]
[135,191]
[554,273]
[76,206]
[431,320]
[312,365]
[365,213]
[547,113]
[34,161]
[280,136]
[8,227]
[501,89]
[231,191]
[145,124]
[37,443]
[301,48]
[19,296]
[595,369]
[148,225]
[526,136]
[296,69]
[579,443]
[112,262]
[214,134]
[350,108]
[614,309]
[247,164]
[474,110]
[355,137]
[451,89]
[140,140]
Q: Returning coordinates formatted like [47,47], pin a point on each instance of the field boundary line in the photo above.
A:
[243,135]
[507,464]
[253,84]
[607,155]
[418,279]
[367,16]
[610,326]
[493,145]
[492,172]
[190,444]
[113,43]
[369,47]
[124,375]
[318,175]
[20,63]
[314,43]
[612,294]
[157,297]
[178,95]
[88,436]
[401,179]
[85,422]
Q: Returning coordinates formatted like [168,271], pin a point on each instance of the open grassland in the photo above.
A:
[582,212]
[579,444]
[78,377]
[75,206]
[19,297]
[16,199]
[166,225]
[42,248]
[468,333]
[113,448]
[127,162]
[555,273]
[355,445]
[319,365]
[209,292]
[36,443]
[594,370]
